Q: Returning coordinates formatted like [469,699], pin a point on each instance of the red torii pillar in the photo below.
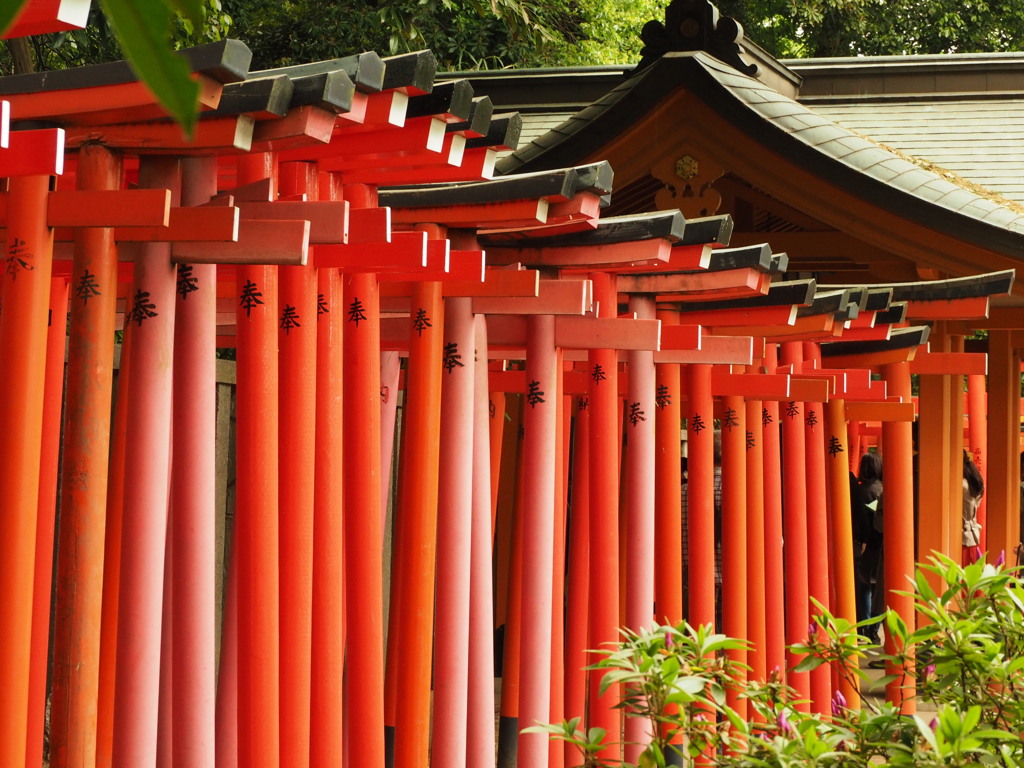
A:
[735,598]
[363,530]
[700,496]
[23,328]
[668,558]
[757,607]
[774,559]
[86,454]
[144,533]
[897,445]
[794,490]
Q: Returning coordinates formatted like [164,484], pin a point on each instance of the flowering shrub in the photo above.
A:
[967,660]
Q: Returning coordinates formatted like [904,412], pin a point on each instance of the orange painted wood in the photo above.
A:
[221,134]
[973,308]
[605,417]
[769,316]
[405,251]
[898,533]
[463,266]
[256,533]
[41,16]
[552,297]
[499,282]
[794,500]
[774,577]
[681,337]
[33,152]
[757,620]
[837,454]
[808,389]
[577,587]
[512,213]
[23,330]
[976,411]
[79,593]
[285,243]
[112,560]
[700,573]
[698,285]
[369,225]
[303,126]
[108,208]
[590,256]
[682,258]
[375,139]
[583,209]
[879,411]
[876,333]
[196,224]
[872,359]
[144,534]
[477,165]
[802,328]
[734,533]
[760,385]
[950,363]
[107,104]
[735,350]
[328,219]
[668,556]
[297,345]
[618,333]
[49,467]
[363,529]
[418,507]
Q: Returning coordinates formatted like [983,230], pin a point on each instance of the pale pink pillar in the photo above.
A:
[150,309]
[454,533]
[481,742]
[193,492]
[539,455]
[639,564]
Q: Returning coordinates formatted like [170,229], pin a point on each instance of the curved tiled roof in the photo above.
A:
[787,127]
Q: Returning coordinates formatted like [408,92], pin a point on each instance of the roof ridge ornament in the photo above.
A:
[694,25]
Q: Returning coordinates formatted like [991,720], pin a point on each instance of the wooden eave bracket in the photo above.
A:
[259,242]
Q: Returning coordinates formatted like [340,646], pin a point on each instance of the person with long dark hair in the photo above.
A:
[974,489]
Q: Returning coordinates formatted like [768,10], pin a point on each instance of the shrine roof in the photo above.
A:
[782,124]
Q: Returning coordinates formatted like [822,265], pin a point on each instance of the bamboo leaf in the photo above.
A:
[142,27]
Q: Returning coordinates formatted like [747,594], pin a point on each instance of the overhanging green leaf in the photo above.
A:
[142,27]
[9,11]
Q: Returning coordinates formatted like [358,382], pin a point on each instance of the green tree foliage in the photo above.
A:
[821,28]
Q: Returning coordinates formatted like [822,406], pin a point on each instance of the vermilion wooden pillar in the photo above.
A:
[1003,487]
[837,467]
[700,496]
[668,556]
[193,493]
[539,456]
[775,603]
[977,441]
[734,535]
[938,439]
[794,489]
[817,529]
[363,530]
[48,471]
[417,529]
[454,536]
[757,630]
[605,417]
[256,501]
[151,309]
[898,533]
[23,328]
[86,451]
[481,741]
[639,471]
[508,721]
[112,560]
[297,439]
[226,716]
[328,641]
[577,592]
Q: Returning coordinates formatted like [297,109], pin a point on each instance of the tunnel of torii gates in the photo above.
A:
[335,223]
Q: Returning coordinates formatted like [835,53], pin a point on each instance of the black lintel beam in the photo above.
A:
[225,61]
[900,338]
[451,99]
[261,96]
[708,230]
[668,225]
[747,257]
[478,122]
[365,70]
[798,292]
[502,133]
[412,71]
[972,286]
[825,303]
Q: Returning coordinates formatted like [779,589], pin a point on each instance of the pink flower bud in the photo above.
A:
[785,726]
[1002,558]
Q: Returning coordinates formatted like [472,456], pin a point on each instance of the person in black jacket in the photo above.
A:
[866,509]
